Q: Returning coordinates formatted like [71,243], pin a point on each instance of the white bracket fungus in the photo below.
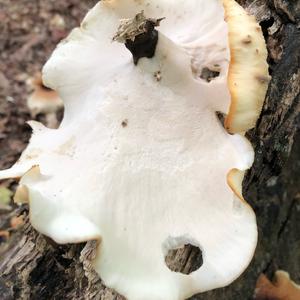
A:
[141,162]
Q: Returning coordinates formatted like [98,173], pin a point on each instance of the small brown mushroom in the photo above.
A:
[42,100]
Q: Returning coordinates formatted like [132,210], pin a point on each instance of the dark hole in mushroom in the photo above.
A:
[221,116]
[208,74]
[185,259]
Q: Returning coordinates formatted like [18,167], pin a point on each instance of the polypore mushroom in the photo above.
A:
[140,159]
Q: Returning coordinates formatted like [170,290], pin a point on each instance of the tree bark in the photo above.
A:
[33,267]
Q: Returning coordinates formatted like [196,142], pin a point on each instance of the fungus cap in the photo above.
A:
[142,162]
[248,75]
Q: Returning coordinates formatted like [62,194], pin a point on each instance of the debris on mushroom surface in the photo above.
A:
[282,288]
[141,163]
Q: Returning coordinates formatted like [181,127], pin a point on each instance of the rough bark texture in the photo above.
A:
[33,267]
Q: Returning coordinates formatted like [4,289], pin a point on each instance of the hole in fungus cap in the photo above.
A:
[209,74]
[132,186]
[183,255]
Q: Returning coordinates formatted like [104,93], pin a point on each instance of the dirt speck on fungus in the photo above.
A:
[124,123]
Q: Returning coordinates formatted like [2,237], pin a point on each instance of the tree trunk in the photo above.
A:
[33,267]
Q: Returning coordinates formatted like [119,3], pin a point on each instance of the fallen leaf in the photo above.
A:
[282,288]
[5,195]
